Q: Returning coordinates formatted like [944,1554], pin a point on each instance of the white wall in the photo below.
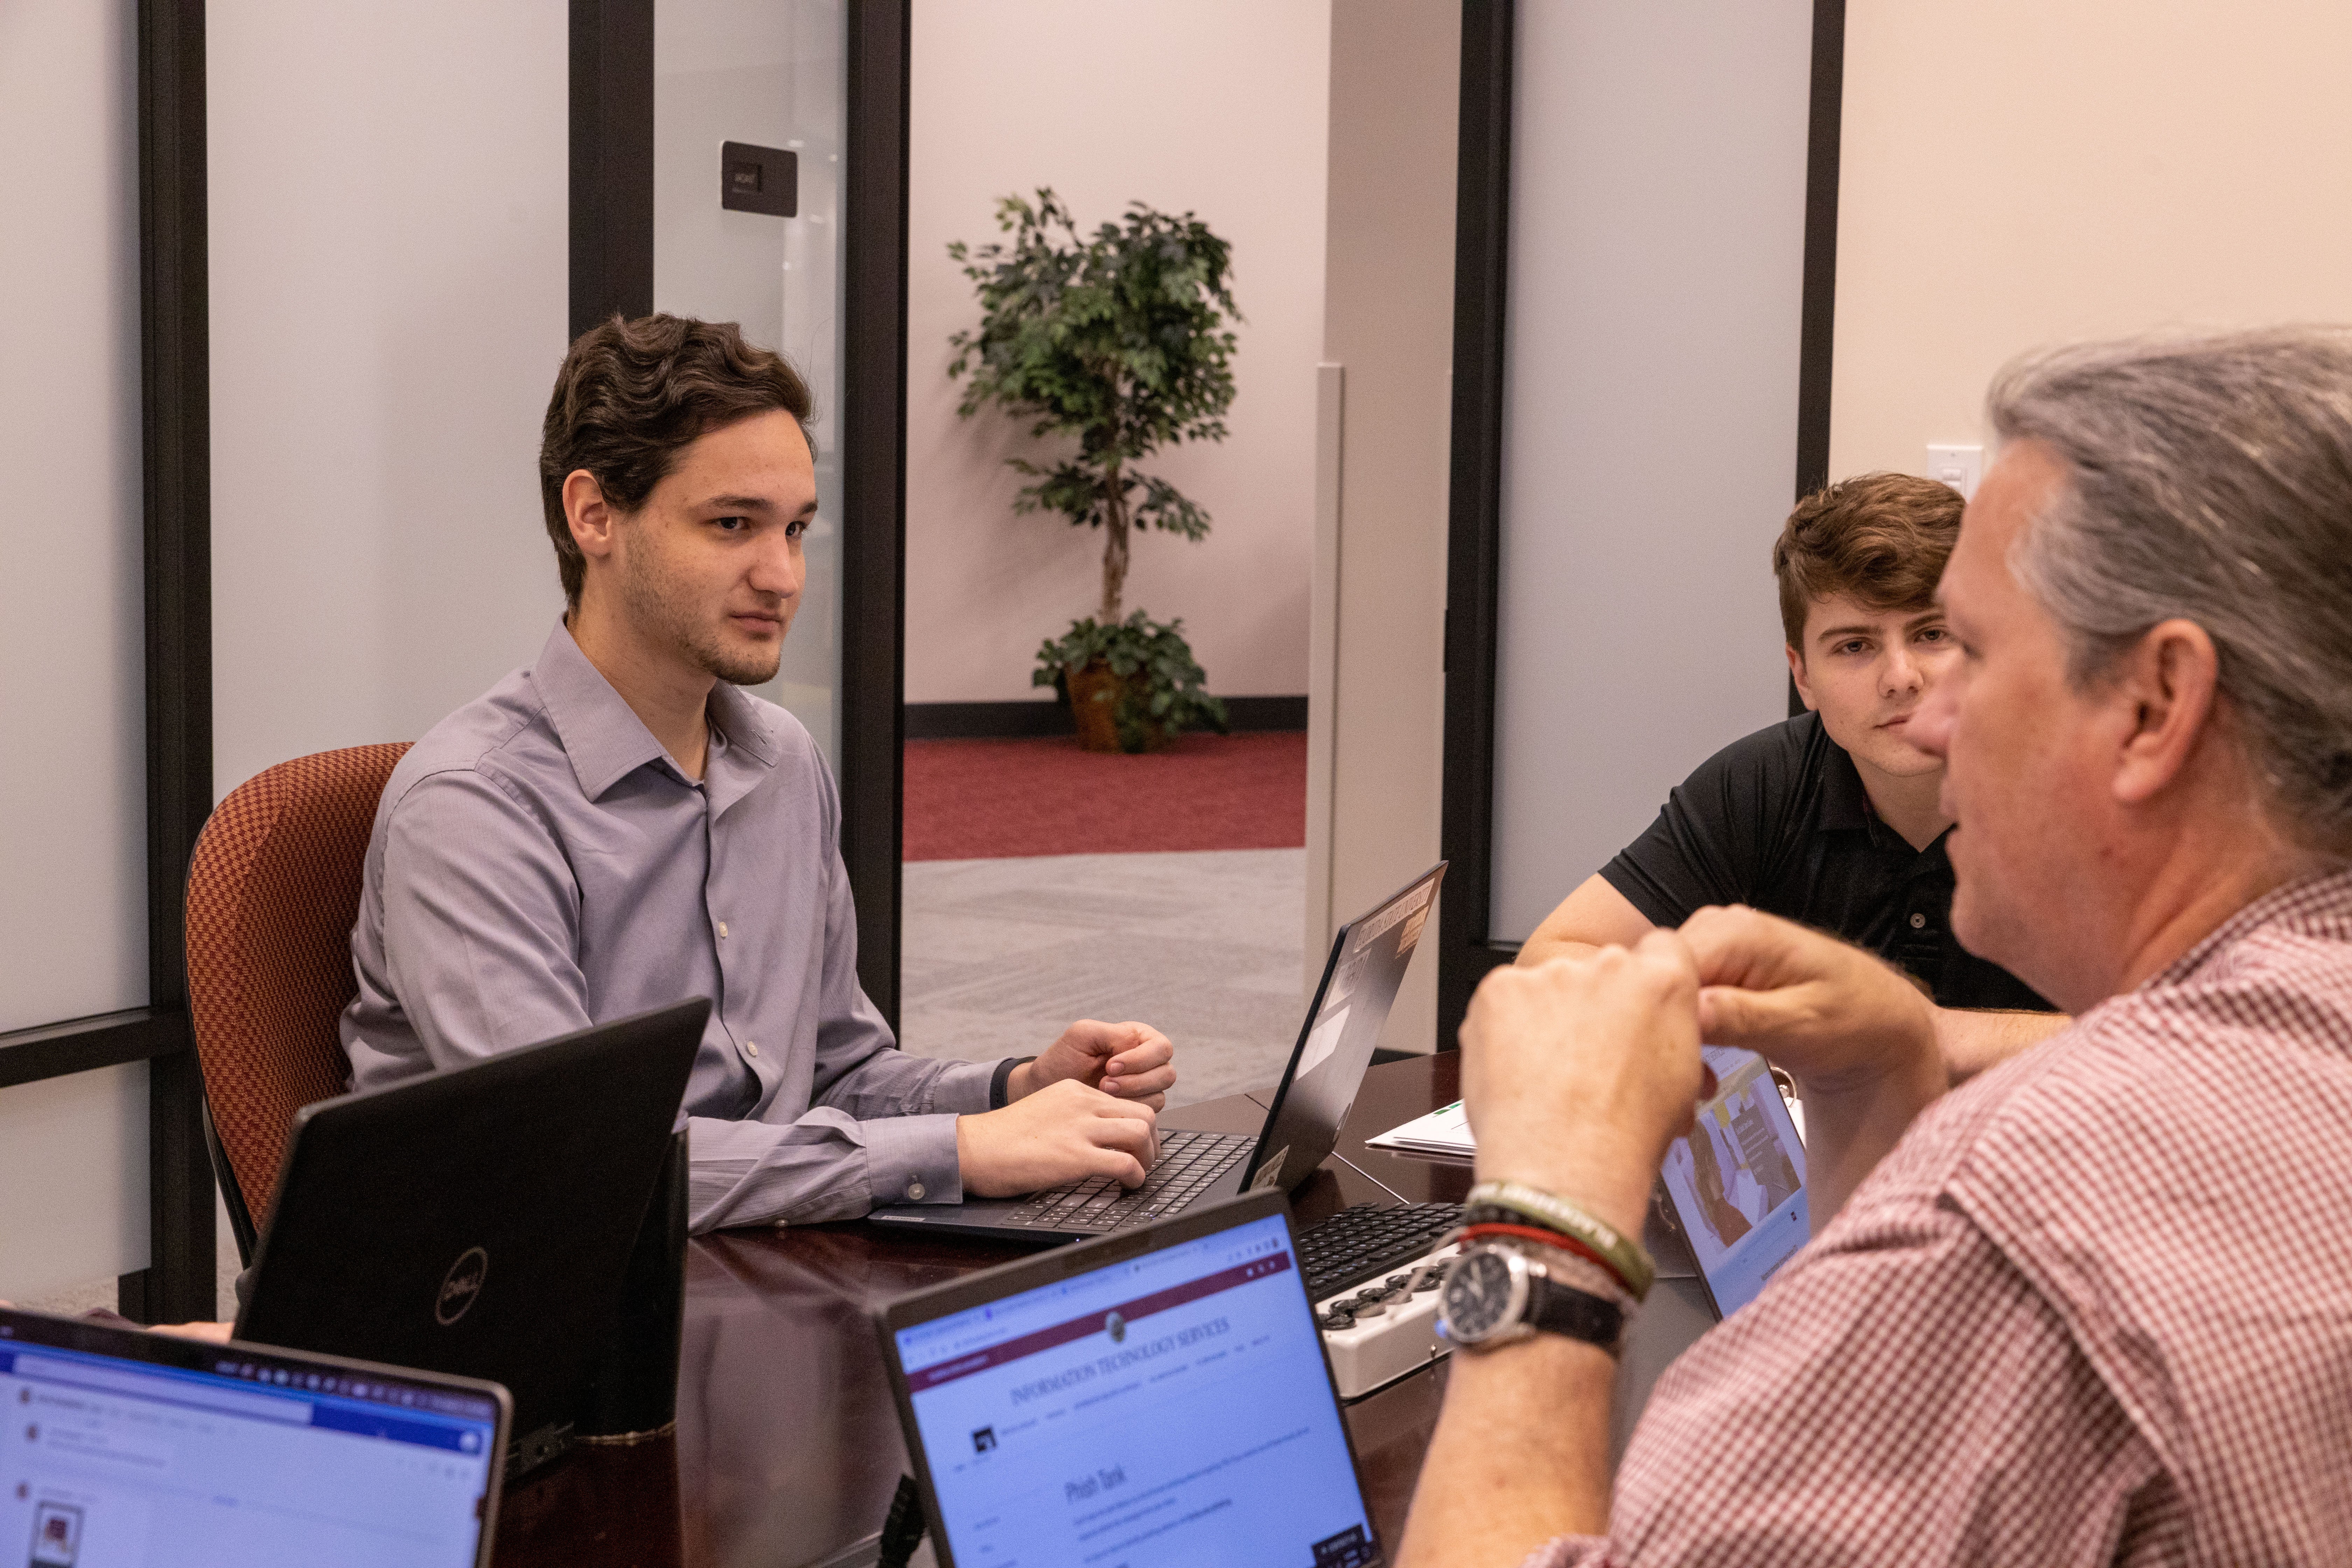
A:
[73,920]
[1377,711]
[1215,106]
[1650,438]
[389,277]
[2016,173]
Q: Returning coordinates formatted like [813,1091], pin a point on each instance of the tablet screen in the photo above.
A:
[1737,1182]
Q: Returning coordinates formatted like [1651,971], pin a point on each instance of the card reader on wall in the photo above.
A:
[759,179]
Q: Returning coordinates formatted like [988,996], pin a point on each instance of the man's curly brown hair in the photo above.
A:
[1882,538]
[633,395]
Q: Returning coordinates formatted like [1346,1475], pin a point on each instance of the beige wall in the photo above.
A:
[1388,323]
[2018,172]
[1215,106]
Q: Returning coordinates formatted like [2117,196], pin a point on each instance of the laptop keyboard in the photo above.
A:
[1189,1162]
[1364,1242]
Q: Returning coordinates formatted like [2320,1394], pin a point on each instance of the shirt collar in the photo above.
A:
[606,741]
[743,749]
[1845,803]
[2326,896]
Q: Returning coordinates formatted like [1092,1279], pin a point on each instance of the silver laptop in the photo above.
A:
[122,1448]
[1369,957]
[1156,1399]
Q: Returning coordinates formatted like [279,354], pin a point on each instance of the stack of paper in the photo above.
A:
[1442,1135]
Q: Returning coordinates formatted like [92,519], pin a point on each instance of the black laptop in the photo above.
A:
[1359,983]
[1156,1399]
[128,1448]
[478,1221]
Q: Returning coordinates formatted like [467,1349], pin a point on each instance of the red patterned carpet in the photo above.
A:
[972,800]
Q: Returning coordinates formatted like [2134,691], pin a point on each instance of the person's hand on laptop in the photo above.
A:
[1578,1073]
[216,1332]
[1063,1131]
[219,1333]
[1129,1061]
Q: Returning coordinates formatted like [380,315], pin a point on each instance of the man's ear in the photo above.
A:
[2163,692]
[590,515]
[1797,674]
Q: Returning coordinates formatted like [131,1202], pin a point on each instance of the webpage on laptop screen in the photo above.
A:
[1172,1409]
[107,1463]
[1739,1179]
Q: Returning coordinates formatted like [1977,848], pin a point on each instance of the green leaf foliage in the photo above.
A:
[1117,339]
[1162,682]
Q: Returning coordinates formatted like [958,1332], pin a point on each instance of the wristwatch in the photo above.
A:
[1494,1295]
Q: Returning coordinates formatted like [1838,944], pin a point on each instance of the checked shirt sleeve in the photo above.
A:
[1900,1395]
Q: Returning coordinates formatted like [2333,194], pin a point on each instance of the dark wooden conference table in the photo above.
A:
[787,1449]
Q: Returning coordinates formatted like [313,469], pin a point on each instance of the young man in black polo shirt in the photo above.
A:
[1832,817]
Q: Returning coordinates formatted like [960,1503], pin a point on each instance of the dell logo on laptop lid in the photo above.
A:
[461,1285]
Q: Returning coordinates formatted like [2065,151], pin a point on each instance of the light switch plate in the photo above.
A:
[1959,466]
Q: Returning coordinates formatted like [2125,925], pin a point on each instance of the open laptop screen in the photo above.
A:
[110,1459]
[1171,1407]
[1738,1181]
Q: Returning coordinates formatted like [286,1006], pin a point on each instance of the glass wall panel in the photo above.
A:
[73,822]
[771,74]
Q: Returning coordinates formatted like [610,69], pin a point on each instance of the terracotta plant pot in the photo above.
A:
[1095,692]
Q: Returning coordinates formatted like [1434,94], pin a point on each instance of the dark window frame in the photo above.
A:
[613,270]
[1466,948]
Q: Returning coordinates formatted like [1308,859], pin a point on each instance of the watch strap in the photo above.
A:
[1558,1309]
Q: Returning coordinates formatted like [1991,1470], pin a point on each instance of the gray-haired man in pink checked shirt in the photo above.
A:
[2096,1305]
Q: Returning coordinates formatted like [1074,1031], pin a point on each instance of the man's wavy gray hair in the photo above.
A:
[2211,481]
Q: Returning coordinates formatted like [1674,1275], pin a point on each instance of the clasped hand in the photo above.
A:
[1086,1107]
[1578,1073]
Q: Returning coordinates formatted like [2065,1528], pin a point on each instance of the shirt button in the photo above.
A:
[914,1191]
[751,1047]
[1918,923]
[722,931]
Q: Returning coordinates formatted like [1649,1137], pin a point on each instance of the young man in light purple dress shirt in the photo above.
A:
[619,827]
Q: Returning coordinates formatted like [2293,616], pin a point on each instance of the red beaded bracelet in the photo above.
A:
[1552,1238]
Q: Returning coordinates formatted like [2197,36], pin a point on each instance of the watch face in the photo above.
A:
[1477,1299]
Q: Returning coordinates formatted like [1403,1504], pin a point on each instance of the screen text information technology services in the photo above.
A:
[1170,1409]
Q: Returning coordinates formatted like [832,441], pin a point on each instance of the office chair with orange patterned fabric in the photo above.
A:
[273,891]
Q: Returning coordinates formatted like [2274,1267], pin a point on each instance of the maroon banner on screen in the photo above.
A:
[1092,1323]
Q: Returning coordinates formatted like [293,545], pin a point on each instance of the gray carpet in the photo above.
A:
[999,955]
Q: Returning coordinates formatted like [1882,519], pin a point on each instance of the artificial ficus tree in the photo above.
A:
[1116,339]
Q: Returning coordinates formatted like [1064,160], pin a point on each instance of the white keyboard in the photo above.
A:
[1373,1342]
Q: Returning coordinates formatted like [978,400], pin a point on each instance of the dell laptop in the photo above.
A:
[1318,1086]
[1735,1184]
[1153,1399]
[122,1448]
[478,1221]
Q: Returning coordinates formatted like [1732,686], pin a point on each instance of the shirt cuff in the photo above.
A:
[912,1160]
[1001,1086]
[961,1086]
